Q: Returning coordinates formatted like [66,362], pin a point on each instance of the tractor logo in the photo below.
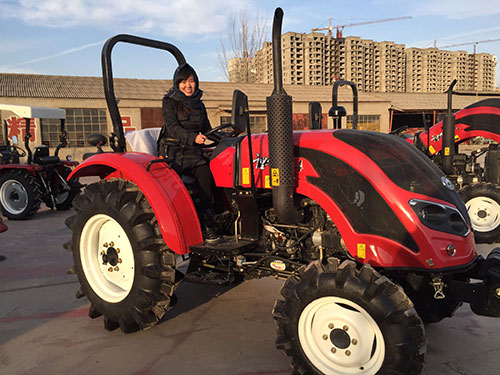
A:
[359,198]
[436,138]
[261,162]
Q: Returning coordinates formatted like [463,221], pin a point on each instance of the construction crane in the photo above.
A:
[468,43]
[340,28]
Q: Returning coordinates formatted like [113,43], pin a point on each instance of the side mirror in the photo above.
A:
[14,140]
[314,115]
[97,140]
[239,113]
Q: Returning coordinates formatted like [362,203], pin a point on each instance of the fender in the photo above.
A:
[480,119]
[162,187]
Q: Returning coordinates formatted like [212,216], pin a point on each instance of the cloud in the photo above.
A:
[62,53]
[168,17]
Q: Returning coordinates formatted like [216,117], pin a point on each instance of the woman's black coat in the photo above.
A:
[177,137]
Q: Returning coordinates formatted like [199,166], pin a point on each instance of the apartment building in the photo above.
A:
[318,59]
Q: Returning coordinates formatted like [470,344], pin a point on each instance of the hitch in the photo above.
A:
[483,296]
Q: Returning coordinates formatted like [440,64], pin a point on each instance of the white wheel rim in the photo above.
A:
[484,214]
[112,280]
[325,317]
[14,197]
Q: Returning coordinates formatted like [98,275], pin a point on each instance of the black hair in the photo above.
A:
[183,72]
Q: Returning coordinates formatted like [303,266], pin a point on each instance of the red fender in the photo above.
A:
[162,187]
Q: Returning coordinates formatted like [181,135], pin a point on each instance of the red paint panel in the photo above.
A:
[162,187]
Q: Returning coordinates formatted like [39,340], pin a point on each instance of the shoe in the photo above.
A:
[211,236]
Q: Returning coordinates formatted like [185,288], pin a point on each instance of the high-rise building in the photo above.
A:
[318,59]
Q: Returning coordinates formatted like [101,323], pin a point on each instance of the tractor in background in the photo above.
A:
[43,177]
[478,182]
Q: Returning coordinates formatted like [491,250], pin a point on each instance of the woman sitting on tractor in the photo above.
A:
[181,140]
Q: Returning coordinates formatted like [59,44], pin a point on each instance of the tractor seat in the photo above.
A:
[47,160]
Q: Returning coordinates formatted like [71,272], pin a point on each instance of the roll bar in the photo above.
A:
[117,139]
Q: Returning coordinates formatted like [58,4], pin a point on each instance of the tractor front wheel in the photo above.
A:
[64,198]
[336,319]
[20,195]
[123,265]
[483,204]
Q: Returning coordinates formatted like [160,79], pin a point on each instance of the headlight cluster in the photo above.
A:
[440,217]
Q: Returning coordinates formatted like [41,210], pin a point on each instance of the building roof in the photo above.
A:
[72,87]
[414,102]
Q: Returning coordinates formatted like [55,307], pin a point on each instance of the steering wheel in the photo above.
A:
[213,134]
[18,150]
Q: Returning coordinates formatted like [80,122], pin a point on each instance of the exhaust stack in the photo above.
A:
[280,135]
[449,134]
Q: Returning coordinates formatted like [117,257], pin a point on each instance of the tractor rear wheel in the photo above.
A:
[483,204]
[336,319]
[20,194]
[123,265]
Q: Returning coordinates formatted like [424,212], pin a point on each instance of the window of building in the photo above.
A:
[366,122]
[80,123]
[258,123]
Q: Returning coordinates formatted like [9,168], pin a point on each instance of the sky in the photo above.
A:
[65,37]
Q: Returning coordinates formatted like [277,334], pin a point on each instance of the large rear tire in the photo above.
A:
[340,320]
[20,194]
[483,204]
[123,265]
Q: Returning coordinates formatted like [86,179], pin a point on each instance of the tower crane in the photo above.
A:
[340,28]
[474,43]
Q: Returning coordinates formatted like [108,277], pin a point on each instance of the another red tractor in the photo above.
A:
[24,186]
[370,236]
[478,183]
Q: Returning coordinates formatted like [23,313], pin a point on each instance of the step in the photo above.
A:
[227,247]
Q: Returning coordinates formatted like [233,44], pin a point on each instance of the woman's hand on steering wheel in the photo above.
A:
[215,134]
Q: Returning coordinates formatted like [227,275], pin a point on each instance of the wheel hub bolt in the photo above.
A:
[110,269]
[348,353]
[105,244]
[334,350]
[345,328]
[325,337]
[116,268]
[331,326]
[354,341]
[117,250]
[119,260]
[497,291]
[111,243]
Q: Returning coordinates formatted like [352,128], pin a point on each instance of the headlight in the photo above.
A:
[440,217]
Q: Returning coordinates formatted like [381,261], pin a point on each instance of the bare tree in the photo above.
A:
[241,41]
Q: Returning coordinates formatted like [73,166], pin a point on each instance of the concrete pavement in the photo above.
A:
[45,330]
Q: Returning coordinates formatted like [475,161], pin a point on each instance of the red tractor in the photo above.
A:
[370,236]
[24,186]
[478,183]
